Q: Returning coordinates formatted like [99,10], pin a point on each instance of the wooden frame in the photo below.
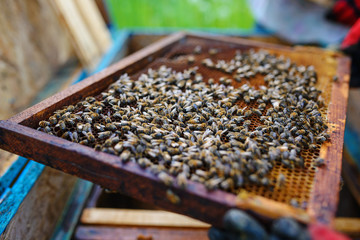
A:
[18,135]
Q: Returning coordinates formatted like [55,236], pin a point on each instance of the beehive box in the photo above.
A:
[315,189]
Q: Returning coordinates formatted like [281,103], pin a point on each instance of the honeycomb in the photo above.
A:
[299,181]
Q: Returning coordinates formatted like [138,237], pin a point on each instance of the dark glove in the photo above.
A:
[239,225]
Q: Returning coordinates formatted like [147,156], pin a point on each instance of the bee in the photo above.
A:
[90,99]
[320,139]
[254,178]
[181,180]
[62,125]
[213,51]
[125,128]
[262,106]
[89,136]
[52,120]
[84,142]
[319,162]
[294,202]
[107,119]
[65,135]
[87,119]
[197,49]
[257,112]
[227,184]
[246,123]
[44,124]
[74,137]
[98,147]
[70,108]
[228,82]
[213,183]
[265,181]
[144,162]
[110,126]
[300,132]
[99,127]
[281,180]
[47,129]
[172,197]
[165,178]
[195,163]
[191,59]
[69,122]
[103,135]
[125,156]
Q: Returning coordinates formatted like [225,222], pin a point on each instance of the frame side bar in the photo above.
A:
[324,197]
[108,171]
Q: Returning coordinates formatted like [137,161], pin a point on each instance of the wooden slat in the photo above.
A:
[30,52]
[108,171]
[127,233]
[85,45]
[349,226]
[351,176]
[95,23]
[324,197]
[140,218]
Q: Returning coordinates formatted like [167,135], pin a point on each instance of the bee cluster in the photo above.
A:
[182,127]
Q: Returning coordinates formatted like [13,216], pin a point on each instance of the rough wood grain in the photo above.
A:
[84,43]
[349,226]
[324,197]
[39,212]
[136,217]
[29,52]
[95,24]
[108,171]
[121,233]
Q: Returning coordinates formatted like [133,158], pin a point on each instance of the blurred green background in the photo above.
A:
[222,14]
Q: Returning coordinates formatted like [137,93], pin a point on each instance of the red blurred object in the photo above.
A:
[353,36]
[345,12]
[322,232]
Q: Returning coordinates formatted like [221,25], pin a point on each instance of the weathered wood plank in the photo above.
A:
[349,226]
[36,217]
[122,233]
[95,24]
[136,217]
[85,45]
[324,197]
[29,52]
[108,171]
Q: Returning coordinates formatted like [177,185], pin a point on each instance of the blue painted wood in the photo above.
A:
[352,143]
[18,192]
[119,43]
[10,175]
[72,211]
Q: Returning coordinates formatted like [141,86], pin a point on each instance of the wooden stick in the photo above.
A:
[347,225]
[85,46]
[127,217]
[95,23]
